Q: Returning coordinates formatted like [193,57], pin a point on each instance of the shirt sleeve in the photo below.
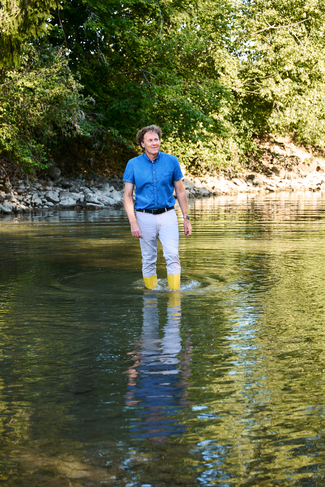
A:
[128,176]
[177,171]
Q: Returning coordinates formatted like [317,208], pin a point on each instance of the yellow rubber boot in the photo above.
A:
[174,281]
[150,282]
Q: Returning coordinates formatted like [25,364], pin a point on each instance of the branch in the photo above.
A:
[281,26]
[3,169]
[161,18]
[61,25]
[144,74]
[143,71]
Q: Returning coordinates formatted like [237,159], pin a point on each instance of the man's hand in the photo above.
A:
[135,230]
[129,208]
[182,200]
[187,227]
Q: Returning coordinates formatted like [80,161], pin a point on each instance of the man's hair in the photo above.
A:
[150,128]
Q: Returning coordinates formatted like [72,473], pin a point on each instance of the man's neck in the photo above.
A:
[151,156]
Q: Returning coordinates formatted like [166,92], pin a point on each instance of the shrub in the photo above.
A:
[40,101]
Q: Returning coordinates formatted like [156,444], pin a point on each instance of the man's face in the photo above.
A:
[151,143]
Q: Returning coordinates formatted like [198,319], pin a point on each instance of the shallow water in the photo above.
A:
[222,383]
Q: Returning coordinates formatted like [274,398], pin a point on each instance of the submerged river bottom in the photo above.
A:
[221,383]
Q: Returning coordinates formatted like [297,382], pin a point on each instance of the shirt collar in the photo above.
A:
[149,160]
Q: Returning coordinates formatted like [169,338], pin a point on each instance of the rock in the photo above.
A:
[78,197]
[92,198]
[4,189]
[270,188]
[66,183]
[188,185]
[250,177]
[54,173]
[75,188]
[7,182]
[6,207]
[238,181]
[259,180]
[118,197]
[117,184]
[36,200]
[109,191]
[68,202]
[203,192]
[320,167]
[275,170]
[53,197]
[92,206]
[277,150]
[107,201]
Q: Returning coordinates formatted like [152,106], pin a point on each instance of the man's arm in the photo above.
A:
[129,209]
[182,200]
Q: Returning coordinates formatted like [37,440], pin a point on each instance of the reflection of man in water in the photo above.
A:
[156,379]
[155,175]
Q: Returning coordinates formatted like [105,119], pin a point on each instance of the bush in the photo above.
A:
[39,102]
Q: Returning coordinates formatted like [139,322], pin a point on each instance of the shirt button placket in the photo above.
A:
[154,180]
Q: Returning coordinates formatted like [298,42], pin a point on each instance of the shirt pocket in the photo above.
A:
[167,177]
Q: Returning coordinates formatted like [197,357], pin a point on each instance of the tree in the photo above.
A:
[148,61]
[22,20]
[39,102]
[282,59]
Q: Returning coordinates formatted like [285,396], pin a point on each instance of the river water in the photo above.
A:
[222,383]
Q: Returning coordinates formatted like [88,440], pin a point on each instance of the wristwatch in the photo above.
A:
[186,217]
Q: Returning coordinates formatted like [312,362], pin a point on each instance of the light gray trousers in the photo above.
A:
[164,227]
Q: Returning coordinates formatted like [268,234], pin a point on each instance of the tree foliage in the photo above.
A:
[146,61]
[211,73]
[22,20]
[39,102]
[282,68]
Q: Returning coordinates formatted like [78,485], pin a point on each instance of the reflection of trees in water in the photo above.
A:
[260,207]
[273,385]
[157,378]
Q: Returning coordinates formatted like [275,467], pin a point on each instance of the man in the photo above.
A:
[155,175]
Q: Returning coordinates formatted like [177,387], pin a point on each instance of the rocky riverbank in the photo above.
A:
[279,166]
[45,194]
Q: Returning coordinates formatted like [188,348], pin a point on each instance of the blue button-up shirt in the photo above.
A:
[153,180]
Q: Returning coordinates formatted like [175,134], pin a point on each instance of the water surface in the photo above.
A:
[222,383]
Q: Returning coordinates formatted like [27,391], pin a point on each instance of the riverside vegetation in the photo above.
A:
[281,166]
[79,77]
